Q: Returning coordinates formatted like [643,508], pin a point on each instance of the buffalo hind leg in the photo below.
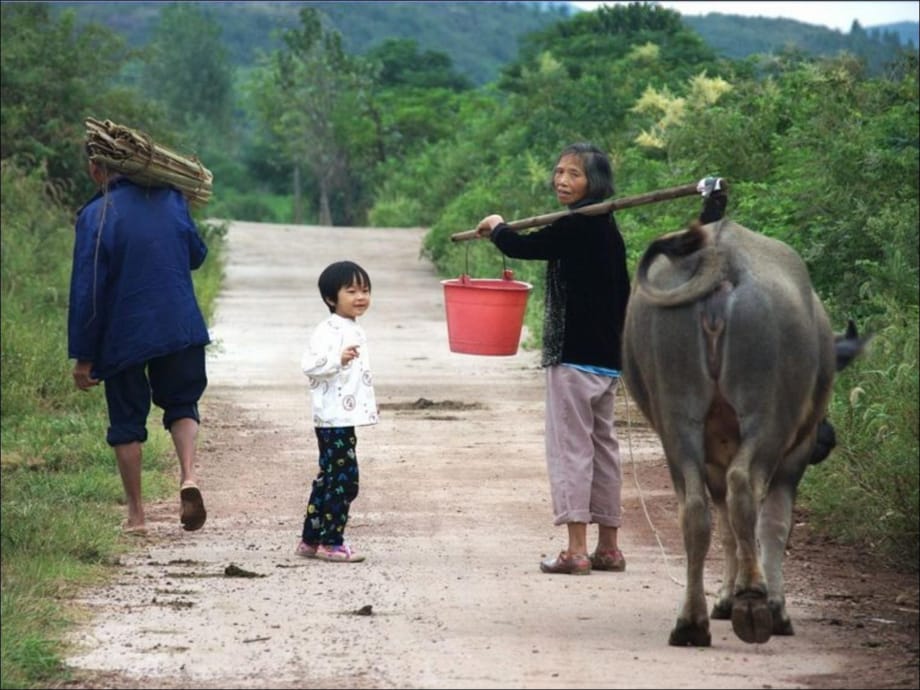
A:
[722,609]
[774,528]
[692,627]
[751,617]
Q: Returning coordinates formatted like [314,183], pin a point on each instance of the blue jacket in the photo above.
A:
[131,292]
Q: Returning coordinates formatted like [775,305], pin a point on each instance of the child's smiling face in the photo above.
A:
[569,180]
[352,300]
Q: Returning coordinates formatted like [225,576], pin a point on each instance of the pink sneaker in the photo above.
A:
[340,554]
[306,550]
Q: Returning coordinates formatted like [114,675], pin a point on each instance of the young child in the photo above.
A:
[587,288]
[342,391]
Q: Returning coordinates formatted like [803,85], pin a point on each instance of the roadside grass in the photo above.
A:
[61,533]
[282,207]
[61,497]
[867,490]
[255,207]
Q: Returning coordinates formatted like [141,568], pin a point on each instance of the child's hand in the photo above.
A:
[348,354]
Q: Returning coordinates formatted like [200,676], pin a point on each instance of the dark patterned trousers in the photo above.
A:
[334,488]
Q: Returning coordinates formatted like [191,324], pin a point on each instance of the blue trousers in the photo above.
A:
[174,382]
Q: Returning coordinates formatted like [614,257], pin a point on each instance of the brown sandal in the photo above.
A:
[193,513]
[567,564]
[608,560]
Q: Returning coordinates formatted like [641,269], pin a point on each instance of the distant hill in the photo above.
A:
[479,37]
[482,37]
[738,37]
[907,32]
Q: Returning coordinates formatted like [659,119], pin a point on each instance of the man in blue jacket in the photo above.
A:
[135,324]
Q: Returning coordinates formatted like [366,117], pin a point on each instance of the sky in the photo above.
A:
[835,15]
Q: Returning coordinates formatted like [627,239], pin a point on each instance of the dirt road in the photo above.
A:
[453,516]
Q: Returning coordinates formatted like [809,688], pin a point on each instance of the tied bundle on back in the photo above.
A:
[136,156]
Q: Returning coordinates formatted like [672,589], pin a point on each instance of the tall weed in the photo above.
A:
[867,490]
[36,245]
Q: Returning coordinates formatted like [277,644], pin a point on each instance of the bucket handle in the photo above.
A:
[507,273]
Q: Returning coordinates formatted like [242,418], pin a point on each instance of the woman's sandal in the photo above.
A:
[608,560]
[567,564]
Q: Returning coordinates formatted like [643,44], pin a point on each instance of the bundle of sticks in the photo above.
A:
[135,155]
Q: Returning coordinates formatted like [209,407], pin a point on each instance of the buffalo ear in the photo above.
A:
[851,330]
[848,346]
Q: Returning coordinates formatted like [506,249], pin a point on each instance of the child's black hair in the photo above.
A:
[338,275]
[597,169]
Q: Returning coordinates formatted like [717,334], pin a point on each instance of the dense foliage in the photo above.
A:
[480,40]
[49,82]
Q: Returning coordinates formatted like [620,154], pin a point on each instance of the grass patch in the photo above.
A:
[867,490]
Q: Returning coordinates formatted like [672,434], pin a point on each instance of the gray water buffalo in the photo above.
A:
[729,354]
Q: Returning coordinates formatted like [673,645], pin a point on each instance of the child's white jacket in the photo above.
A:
[342,396]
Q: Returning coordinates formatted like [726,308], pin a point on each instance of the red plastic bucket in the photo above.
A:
[484,315]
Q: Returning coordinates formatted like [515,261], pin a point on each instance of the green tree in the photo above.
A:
[311,94]
[590,41]
[187,69]
[401,64]
[52,76]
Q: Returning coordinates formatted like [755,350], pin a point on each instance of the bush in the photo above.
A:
[36,248]
[867,490]
[250,207]
[397,212]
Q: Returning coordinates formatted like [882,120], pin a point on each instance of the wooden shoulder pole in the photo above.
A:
[593,209]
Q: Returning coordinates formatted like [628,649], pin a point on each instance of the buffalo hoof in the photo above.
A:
[686,634]
[721,610]
[781,623]
[751,617]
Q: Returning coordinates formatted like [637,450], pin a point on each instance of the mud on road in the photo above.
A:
[453,517]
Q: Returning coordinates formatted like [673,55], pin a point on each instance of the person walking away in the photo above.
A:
[134,324]
[337,362]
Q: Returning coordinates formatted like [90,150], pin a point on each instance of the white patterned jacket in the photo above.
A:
[341,396]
